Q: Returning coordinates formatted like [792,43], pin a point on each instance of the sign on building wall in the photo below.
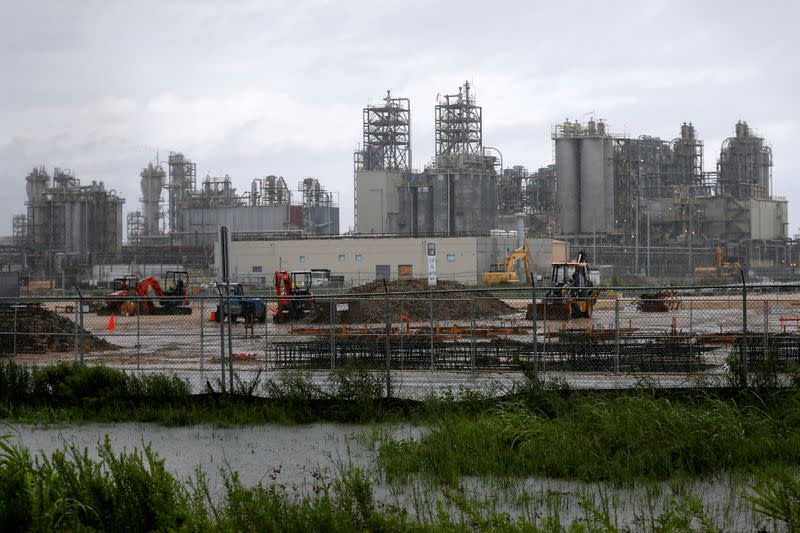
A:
[432,264]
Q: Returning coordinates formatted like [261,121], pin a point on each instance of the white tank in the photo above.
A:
[596,185]
[152,183]
[567,184]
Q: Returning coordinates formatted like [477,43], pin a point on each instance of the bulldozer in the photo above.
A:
[571,294]
[502,273]
[294,295]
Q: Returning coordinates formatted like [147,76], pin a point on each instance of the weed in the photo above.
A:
[595,437]
[778,497]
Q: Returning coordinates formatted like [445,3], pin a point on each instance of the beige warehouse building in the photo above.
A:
[364,259]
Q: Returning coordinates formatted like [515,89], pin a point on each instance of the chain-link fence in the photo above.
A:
[424,341]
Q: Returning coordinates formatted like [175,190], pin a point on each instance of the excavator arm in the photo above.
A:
[520,254]
[147,286]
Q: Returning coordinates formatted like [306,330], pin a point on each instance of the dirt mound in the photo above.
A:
[40,330]
[456,305]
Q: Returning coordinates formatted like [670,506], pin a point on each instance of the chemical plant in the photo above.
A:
[638,205]
[642,205]
[72,231]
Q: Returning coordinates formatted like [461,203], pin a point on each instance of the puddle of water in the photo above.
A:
[295,456]
[260,454]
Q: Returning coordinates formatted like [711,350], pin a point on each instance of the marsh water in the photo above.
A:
[298,458]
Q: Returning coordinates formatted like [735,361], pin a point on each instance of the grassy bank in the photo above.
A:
[69,393]
[593,437]
[532,430]
[133,491]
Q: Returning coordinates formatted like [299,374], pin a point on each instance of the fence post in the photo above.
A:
[333,333]
[546,340]
[534,332]
[766,329]
[616,335]
[15,328]
[386,340]
[138,336]
[75,334]
[202,335]
[80,331]
[430,313]
[266,334]
[473,355]
[221,317]
[744,355]
[230,339]
[691,328]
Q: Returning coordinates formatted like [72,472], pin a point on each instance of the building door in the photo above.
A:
[383,272]
[405,271]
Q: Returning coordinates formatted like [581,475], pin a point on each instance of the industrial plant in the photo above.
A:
[72,231]
[193,215]
[639,205]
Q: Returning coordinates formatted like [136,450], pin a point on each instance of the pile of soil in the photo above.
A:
[40,330]
[455,305]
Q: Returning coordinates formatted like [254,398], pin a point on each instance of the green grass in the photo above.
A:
[132,491]
[604,437]
[534,430]
[69,393]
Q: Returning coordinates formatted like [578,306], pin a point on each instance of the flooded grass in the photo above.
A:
[623,438]
[70,489]
[494,460]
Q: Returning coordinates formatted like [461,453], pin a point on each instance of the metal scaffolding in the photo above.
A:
[136,227]
[182,181]
[19,229]
[387,135]
[459,124]
[745,165]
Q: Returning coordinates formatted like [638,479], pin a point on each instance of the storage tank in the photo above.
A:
[596,185]
[568,189]
[152,183]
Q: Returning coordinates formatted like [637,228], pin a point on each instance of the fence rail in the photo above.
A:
[426,340]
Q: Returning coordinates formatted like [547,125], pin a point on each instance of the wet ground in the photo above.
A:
[299,457]
[190,345]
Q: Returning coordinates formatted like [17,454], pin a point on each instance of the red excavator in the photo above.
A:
[294,295]
[152,299]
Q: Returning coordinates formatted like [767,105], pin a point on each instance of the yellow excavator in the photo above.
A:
[722,268]
[500,273]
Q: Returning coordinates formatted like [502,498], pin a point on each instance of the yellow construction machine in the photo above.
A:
[722,268]
[500,273]
[571,294]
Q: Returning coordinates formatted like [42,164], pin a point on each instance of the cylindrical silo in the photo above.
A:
[152,183]
[592,184]
[567,184]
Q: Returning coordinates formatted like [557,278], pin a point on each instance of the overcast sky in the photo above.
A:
[270,87]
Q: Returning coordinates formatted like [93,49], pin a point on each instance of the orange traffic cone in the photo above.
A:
[111,323]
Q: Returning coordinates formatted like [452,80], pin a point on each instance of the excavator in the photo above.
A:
[571,294]
[148,297]
[722,268]
[294,295]
[501,273]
